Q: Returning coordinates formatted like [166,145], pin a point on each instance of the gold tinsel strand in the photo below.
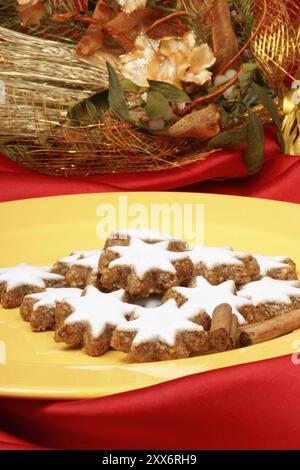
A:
[276,46]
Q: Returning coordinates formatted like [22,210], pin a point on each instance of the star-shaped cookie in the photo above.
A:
[268,290]
[143,234]
[123,236]
[89,261]
[89,320]
[221,263]
[23,279]
[159,333]
[39,309]
[277,267]
[213,256]
[144,257]
[198,302]
[64,264]
[143,268]
[269,297]
[83,270]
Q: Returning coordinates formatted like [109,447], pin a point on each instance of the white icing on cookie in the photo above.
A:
[207,297]
[27,275]
[144,257]
[269,290]
[213,256]
[162,323]
[90,262]
[150,302]
[76,255]
[69,260]
[267,263]
[87,253]
[51,295]
[98,309]
[143,234]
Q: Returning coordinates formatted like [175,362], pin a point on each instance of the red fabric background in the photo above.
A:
[254,406]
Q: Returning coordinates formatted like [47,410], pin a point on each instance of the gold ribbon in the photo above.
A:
[291,123]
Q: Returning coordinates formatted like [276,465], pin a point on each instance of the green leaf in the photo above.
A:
[224,118]
[246,7]
[91,4]
[254,154]
[129,85]
[230,138]
[169,91]
[89,109]
[82,113]
[249,67]
[100,100]
[271,109]
[248,72]
[116,98]
[157,105]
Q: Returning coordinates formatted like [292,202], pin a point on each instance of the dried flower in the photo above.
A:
[173,60]
[130,5]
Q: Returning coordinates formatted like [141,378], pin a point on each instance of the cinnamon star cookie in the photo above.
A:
[200,299]
[160,333]
[219,264]
[18,281]
[268,298]
[143,268]
[39,309]
[89,320]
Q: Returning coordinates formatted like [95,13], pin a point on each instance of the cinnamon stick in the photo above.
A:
[224,328]
[233,337]
[269,329]
[225,44]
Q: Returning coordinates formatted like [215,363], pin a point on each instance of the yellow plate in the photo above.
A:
[41,230]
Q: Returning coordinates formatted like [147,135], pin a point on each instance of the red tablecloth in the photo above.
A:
[254,406]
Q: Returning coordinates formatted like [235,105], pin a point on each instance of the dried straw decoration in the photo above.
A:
[43,79]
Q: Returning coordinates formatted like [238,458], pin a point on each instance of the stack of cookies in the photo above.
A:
[151,296]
